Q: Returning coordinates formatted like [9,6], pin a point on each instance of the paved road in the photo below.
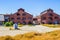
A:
[25,29]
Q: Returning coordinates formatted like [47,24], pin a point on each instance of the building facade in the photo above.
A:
[49,17]
[6,17]
[1,19]
[37,20]
[21,17]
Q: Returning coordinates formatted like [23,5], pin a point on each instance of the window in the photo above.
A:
[29,18]
[50,18]
[18,18]
[56,17]
[35,19]
[6,20]
[12,18]
[18,14]
[23,14]
[23,18]
[50,14]
[43,18]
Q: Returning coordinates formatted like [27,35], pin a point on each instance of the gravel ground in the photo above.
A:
[25,29]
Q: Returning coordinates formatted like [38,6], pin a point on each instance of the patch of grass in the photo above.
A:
[51,25]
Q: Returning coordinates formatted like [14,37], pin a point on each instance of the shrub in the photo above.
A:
[11,23]
[4,23]
[8,24]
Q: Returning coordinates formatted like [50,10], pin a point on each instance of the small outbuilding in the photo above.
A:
[1,19]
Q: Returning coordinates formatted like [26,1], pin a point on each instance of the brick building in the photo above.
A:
[49,17]
[21,17]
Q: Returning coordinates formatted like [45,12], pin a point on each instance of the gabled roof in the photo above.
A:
[45,11]
[24,12]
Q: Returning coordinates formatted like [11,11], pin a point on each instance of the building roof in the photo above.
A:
[24,12]
[47,11]
[21,9]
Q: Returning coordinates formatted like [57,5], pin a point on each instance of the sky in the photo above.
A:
[34,7]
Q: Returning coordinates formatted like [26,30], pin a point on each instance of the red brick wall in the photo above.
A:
[46,15]
[27,16]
